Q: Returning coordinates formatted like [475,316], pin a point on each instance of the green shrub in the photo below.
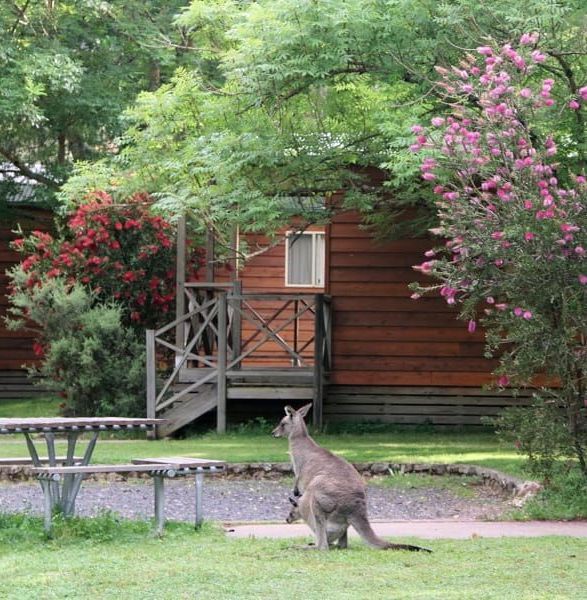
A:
[89,355]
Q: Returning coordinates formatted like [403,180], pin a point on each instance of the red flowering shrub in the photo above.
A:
[119,252]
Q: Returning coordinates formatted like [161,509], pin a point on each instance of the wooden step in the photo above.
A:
[269,376]
[187,410]
[266,392]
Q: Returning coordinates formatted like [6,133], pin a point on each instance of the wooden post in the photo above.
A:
[180,282]
[237,290]
[318,360]
[222,343]
[151,367]
[295,362]
[209,257]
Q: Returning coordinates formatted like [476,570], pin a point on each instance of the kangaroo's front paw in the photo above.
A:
[293,501]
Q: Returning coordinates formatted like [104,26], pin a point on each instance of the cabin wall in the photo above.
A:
[16,347]
[395,359]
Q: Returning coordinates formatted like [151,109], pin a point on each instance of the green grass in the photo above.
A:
[255,444]
[99,558]
[398,446]
[29,407]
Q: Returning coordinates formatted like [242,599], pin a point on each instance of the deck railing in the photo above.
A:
[224,331]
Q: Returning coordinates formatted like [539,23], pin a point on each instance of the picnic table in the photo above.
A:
[61,493]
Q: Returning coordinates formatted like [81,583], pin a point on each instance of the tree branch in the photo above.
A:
[27,171]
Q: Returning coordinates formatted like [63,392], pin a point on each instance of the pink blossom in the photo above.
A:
[429,253]
[472,326]
[503,380]
[425,267]
[518,311]
[527,315]
[526,93]
[437,121]
[450,196]
[497,235]
[485,50]
[427,176]
[528,38]
[490,300]
[415,147]
[537,56]
[574,105]
[415,296]
[568,228]
[501,306]
[583,279]
[417,129]
[583,93]
[529,236]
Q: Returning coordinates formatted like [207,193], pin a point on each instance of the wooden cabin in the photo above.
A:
[325,316]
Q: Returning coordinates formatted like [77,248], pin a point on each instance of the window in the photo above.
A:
[304,259]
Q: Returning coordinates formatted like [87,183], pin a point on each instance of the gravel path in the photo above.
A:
[233,500]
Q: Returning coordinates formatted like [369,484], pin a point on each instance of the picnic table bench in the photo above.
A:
[157,468]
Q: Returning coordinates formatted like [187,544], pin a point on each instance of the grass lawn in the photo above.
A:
[29,407]
[100,559]
[255,445]
[394,446]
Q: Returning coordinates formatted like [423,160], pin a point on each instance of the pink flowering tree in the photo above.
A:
[512,205]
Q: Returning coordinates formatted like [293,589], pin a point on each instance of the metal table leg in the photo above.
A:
[72,482]
[159,503]
[199,488]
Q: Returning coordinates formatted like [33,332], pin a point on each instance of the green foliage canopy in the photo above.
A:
[298,99]
[69,68]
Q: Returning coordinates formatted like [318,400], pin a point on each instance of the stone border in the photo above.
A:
[520,489]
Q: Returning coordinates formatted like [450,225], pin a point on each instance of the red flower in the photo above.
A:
[38,350]
[129,276]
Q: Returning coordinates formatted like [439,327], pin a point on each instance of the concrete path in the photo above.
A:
[425,529]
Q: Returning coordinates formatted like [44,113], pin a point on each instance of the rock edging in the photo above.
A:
[520,489]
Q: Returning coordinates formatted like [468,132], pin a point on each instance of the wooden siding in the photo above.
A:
[416,405]
[16,347]
[381,336]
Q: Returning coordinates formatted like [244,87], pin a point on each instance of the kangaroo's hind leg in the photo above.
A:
[343,540]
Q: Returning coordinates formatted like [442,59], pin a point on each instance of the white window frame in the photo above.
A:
[314,235]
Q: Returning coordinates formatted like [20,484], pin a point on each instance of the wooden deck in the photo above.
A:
[234,346]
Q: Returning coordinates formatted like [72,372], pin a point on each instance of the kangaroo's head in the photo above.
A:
[292,422]
[294,513]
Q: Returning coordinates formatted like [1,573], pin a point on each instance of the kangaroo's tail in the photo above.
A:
[364,529]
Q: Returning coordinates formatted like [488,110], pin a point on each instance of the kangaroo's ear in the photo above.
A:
[305,409]
[289,411]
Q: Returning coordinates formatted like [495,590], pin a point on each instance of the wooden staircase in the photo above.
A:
[187,408]
[281,385]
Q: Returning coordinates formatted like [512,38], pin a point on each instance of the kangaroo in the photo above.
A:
[329,492]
